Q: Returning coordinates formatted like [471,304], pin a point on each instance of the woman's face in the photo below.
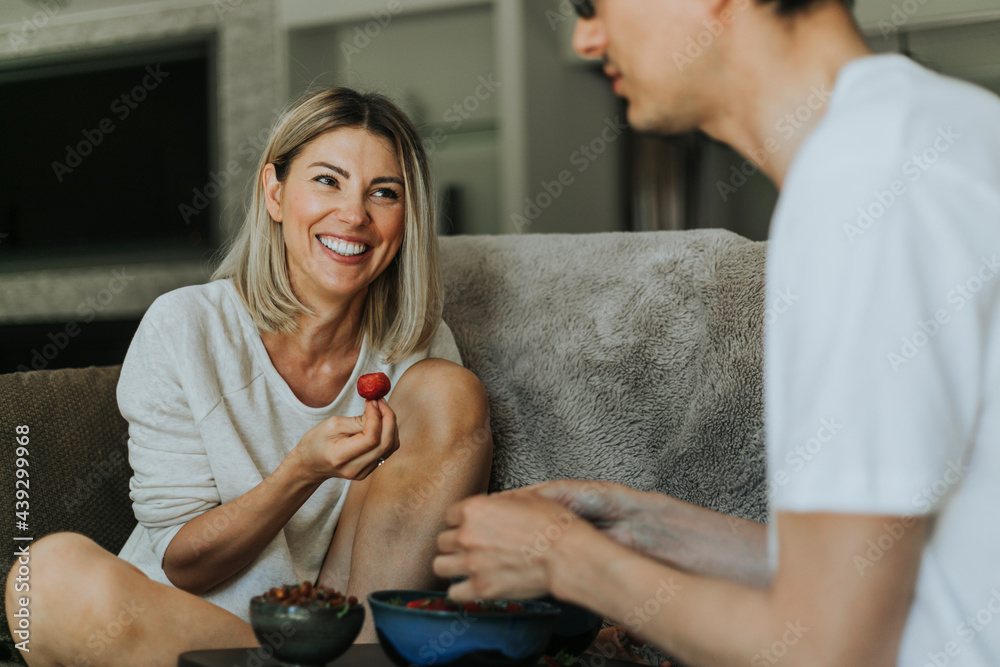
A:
[342,214]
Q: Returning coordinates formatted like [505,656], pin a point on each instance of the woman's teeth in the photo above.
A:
[344,248]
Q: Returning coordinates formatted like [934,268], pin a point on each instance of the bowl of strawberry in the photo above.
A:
[421,628]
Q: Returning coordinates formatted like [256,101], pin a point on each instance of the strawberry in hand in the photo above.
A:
[373,386]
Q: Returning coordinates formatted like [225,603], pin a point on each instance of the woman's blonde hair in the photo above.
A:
[403,304]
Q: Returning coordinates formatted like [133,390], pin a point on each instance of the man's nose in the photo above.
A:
[589,38]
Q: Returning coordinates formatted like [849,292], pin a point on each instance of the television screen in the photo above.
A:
[107,154]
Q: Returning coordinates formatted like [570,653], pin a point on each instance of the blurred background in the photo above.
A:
[129,130]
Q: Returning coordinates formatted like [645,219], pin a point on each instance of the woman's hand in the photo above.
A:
[348,447]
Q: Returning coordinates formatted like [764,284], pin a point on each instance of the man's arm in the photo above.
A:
[826,606]
[684,536]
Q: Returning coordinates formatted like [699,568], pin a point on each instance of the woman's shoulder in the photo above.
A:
[191,303]
[197,312]
[197,336]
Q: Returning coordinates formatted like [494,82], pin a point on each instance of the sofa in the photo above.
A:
[630,357]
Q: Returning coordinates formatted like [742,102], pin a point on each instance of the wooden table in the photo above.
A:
[359,655]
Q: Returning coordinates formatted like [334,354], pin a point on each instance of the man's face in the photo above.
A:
[645,47]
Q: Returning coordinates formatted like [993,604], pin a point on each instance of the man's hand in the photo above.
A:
[616,510]
[506,544]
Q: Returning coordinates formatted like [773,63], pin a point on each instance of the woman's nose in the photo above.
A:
[353,212]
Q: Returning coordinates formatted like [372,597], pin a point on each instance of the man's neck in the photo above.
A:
[773,100]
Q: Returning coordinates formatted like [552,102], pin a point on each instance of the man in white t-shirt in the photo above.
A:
[882,376]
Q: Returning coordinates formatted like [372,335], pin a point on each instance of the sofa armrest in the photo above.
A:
[78,469]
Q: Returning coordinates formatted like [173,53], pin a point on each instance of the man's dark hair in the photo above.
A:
[788,7]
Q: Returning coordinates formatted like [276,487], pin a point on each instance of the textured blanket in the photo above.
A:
[634,358]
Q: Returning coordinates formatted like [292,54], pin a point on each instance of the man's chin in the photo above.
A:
[650,120]
[641,119]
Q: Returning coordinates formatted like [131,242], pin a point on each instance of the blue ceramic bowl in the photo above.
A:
[575,631]
[301,635]
[458,638]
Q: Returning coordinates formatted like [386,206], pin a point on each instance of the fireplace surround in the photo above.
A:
[47,294]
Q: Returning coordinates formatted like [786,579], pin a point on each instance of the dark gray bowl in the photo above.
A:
[305,635]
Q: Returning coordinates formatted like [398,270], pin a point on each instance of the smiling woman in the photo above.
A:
[361,156]
[254,458]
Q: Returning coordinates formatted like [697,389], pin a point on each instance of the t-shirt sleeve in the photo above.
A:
[874,346]
[443,345]
[172,480]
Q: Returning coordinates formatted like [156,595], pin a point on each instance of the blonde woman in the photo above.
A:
[256,462]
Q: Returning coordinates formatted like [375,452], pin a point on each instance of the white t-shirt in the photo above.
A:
[882,373]
[209,418]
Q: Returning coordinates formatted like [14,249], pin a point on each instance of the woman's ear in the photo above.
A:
[272,192]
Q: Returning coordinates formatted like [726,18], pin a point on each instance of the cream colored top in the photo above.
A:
[209,418]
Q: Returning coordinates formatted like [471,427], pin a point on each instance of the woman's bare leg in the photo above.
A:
[387,534]
[89,607]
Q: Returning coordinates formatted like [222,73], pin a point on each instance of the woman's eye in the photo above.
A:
[387,193]
[326,179]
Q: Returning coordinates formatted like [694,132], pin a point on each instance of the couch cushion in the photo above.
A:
[78,457]
[634,358]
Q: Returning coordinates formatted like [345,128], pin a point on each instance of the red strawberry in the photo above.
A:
[373,386]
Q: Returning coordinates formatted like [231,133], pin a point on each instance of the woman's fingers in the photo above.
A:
[376,442]
[390,432]
[373,421]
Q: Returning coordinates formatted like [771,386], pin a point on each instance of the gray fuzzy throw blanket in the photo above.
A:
[629,357]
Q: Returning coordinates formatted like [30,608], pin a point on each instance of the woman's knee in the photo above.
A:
[446,388]
[63,567]
[438,397]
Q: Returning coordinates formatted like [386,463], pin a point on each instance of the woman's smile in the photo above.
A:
[342,248]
